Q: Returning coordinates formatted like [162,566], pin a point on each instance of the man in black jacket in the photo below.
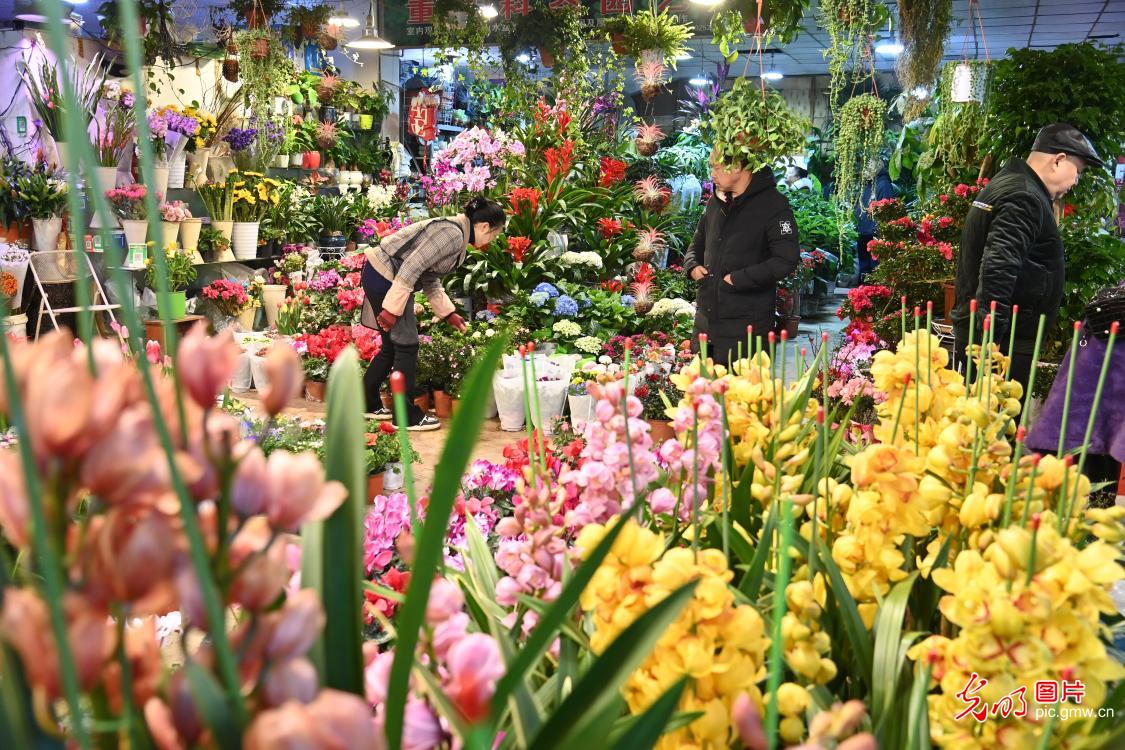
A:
[745,244]
[1011,252]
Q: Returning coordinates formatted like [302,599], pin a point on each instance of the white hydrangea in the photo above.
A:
[567,328]
[590,259]
[588,344]
[672,306]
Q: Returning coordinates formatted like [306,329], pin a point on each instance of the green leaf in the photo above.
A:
[752,581]
[918,713]
[213,706]
[430,546]
[888,634]
[601,682]
[853,624]
[333,557]
[649,726]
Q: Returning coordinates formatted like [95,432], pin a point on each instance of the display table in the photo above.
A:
[154,328]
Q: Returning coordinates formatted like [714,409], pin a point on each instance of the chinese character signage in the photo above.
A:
[409,23]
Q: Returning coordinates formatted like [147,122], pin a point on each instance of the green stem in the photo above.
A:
[542,449]
[1069,388]
[969,350]
[1034,370]
[1090,422]
[1030,495]
[532,454]
[404,448]
[776,641]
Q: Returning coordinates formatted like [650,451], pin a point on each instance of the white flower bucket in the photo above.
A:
[258,371]
[273,295]
[393,477]
[189,234]
[170,232]
[160,176]
[508,392]
[15,325]
[177,168]
[244,239]
[243,376]
[581,410]
[136,231]
[552,399]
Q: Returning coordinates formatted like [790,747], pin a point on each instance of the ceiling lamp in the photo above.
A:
[683,56]
[773,75]
[488,11]
[889,49]
[707,3]
[26,10]
[343,19]
[370,38]
[700,81]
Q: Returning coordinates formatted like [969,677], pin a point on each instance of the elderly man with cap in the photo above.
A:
[1011,251]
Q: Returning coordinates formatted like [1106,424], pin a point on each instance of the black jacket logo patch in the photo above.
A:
[786,227]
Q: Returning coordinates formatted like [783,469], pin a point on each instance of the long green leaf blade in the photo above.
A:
[888,634]
[212,704]
[431,545]
[650,725]
[853,623]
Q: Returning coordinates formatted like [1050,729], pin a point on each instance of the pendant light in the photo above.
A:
[370,38]
[343,19]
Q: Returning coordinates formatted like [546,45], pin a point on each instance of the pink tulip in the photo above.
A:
[250,488]
[474,665]
[285,378]
[15,513]
[205,364]
[298,492]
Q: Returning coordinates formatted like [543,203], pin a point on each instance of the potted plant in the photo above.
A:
[326,93]
[383,455]
[333,218]
[459,23]
[651,35]
[43,195]
[251,197]
[13,213]
[753,130]
[554,32]
[181,273]
[257,13]
[212,244]
[218,199]
[14,260]
[129,204]
[172,214]
[228,297]
[265,68]
[302,91]
[113,133]
[648,139]
[47,97]
[303,22]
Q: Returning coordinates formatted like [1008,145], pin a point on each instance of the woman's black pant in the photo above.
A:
[392,356]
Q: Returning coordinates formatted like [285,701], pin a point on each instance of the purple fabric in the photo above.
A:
[1108,437]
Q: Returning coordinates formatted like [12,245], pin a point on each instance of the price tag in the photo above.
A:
[136,256]
[21,125]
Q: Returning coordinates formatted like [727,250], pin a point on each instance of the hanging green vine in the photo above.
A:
[727,33]
[859,137]
[850,25]
[458,23]
[954,149]
[922,26]
[265,68]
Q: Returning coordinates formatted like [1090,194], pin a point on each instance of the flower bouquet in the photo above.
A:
[229,297]
[14,260]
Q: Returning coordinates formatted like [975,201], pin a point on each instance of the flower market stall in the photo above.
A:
[849,534]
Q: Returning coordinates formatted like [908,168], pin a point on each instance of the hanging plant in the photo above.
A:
[923,26]
[651,30]
[265,68]
[458,23]
[304,23]
[727,33]
[781,19]
[954,152]
[859,136]
[752,129]
[850,25]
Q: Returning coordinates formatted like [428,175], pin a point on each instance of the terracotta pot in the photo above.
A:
[791,324]
[443,405]
[950,297]
[314,390]
[374,486]
[618,42]
[12,232]
[388,400]
[661,430]
[546,57]
[456,404]
[423,402]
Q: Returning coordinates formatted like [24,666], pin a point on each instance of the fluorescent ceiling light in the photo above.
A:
[890,49]
[700,81]
[370,38]
[343,20]
[488,11]
[773,75]
[683,56]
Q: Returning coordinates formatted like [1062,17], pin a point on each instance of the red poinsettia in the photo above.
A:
[609,227]
[518,247]
[613,171]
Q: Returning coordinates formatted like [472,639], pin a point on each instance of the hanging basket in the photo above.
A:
[968,83]
[327,41]
[261,49]
[309,29]
[230,65]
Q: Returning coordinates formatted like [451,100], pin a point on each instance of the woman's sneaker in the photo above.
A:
[427,424]
[382,414]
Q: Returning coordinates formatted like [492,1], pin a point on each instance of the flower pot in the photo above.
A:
[246,318]
[176,307]
[258,371]
[273,296]
[197,166]
[950,297]
[332,245]
[15,325]
[374,486]
[792,323]
[393,477]
[552,399]
[509,401]
[260,49]
[314,390]
[12,232]
[443,405]
[225,228]
[189,234]
[244,239]
[618,42]
[423,401]
[661,430]
[170,233]
[296,160]
[366,122]
[312,160]
[105,177]
[281,161]
[46,233]
[581,410]
[328,113]
[388,400]
[160,181]
[177,169]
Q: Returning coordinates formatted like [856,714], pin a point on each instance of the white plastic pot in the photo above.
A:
[273,295]
[552,399]
[177,169]
[393,477]
[258,371]
[508,392]
[243,376]
[244,239]
[581,410]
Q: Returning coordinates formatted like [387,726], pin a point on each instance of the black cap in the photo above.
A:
[1061,138]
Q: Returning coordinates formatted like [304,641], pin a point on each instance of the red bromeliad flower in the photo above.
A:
[559,160]
[612,285]
[609,227]
[522,197]
[613,171]
[518,247]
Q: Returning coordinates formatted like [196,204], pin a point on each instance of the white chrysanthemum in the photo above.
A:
[589,259]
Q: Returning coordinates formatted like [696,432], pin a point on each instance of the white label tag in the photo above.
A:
[786,227]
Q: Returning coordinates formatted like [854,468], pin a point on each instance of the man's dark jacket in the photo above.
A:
[754,239]
[1011,252]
